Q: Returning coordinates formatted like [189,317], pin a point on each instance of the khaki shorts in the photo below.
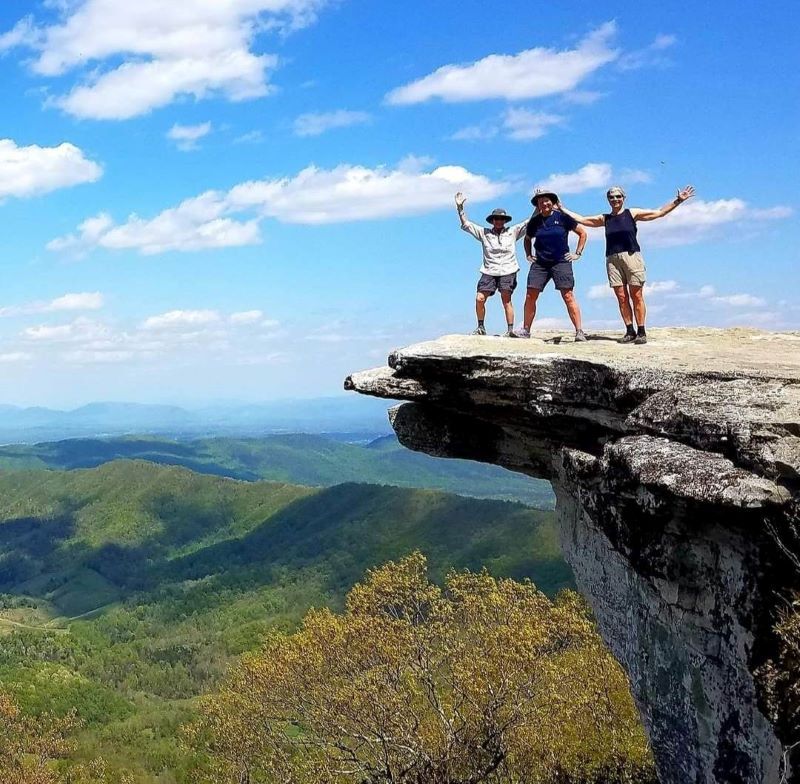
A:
[625,269]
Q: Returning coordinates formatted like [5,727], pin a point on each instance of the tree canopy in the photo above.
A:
[481,680]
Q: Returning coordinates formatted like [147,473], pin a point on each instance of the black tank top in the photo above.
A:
[621,233]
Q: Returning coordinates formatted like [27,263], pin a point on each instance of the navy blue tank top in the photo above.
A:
[621,233]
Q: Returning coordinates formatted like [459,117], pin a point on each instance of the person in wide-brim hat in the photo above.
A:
[498,213]
[547,249]
[500,266]
[543,193]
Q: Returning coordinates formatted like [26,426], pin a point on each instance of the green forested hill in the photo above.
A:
[172,573]
[297,458]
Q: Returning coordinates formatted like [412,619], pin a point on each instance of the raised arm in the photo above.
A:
[594,221]
[648,215]
[461,200]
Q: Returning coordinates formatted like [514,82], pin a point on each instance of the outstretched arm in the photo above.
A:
[648,215]
[594,220]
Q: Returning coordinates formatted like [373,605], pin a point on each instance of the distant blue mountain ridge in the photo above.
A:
[362,418]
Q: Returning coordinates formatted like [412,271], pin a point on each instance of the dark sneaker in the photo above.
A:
[628,337]
[479,331]
[580,336]
[640,340]
[521,332]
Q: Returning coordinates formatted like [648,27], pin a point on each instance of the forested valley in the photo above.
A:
[130,589]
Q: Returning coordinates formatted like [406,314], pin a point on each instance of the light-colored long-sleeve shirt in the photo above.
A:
[499,250]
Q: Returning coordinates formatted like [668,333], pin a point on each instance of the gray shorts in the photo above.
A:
[488,284]
[539,275]
[625,269]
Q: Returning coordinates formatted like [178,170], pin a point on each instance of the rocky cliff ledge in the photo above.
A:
[676,466]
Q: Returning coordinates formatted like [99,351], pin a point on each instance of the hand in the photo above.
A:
[572,257]
[532,259]
[686,193]
[460,200]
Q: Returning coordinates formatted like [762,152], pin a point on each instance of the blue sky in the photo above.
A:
[248,199]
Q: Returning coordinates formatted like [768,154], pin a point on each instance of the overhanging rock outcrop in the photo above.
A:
[676,467]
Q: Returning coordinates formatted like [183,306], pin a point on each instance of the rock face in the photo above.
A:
[676,466]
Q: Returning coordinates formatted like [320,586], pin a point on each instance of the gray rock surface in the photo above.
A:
[676,466]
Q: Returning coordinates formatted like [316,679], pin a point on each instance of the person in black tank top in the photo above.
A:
[624,262]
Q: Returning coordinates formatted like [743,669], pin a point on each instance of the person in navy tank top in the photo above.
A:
[624,263]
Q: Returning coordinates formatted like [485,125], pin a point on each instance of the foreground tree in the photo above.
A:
[481,681]
[29,746]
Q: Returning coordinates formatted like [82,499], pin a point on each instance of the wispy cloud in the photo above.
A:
[180,319]
[697,220]
[33,170]
[187,136]
[90,300]
[515,123]
[672,290]
[187,335]
[533,73]
[650,56]
[315,124]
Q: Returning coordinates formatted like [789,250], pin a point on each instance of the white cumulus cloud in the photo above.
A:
[315,124]
[593,175]
[33,170]
[217,219]
[533,73]
[352,193]
[133,57]
[195,224]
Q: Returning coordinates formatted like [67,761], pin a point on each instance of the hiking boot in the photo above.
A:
[479,331]
[520,333]
[628,337]
[580,336]
[640,340]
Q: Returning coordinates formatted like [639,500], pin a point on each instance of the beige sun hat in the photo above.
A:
[539,192]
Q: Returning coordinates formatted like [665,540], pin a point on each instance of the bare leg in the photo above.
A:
[573,309]
[639,308]
[623,300]
[505,296]
[480,305]
[530,307]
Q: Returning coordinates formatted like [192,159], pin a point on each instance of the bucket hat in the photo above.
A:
[498,213]
[543,192]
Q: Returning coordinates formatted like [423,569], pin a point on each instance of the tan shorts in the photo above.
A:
[625,269]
